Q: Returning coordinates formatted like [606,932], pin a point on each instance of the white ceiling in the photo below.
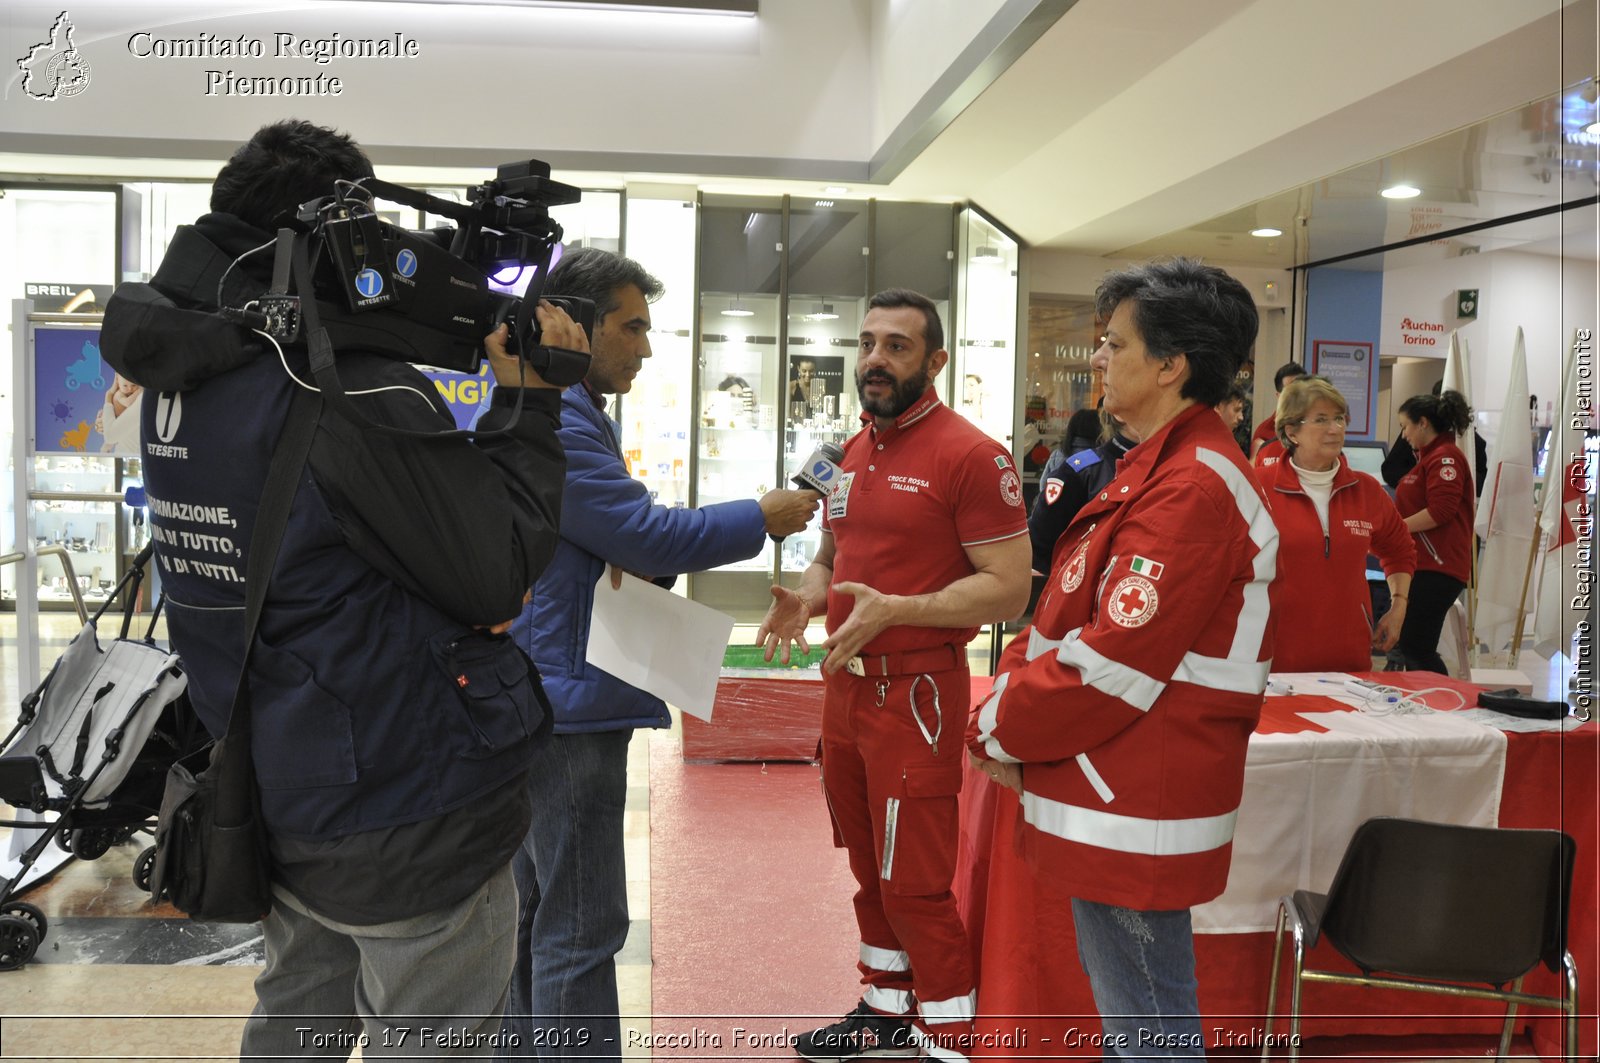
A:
[1133,123]
[1128,127]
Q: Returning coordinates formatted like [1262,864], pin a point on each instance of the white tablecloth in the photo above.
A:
[1306,792]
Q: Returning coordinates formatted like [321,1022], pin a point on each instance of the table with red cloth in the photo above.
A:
[1034,999]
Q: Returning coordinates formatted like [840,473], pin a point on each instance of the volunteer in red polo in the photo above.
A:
[1436,499]
[924,539]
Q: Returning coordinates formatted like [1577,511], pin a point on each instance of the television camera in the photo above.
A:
[426,296]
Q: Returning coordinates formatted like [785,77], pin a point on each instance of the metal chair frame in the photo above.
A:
[1293,918]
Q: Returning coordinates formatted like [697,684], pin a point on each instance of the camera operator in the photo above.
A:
[393,724]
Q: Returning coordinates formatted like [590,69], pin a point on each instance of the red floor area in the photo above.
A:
[751,927]
[752,934]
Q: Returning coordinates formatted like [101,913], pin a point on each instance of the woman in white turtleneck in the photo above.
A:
[1330,517]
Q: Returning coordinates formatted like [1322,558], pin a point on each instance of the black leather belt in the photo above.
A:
[912,662]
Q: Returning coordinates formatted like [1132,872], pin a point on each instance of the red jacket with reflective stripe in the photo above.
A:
[1131,699]
[1326,622]
[1441,481]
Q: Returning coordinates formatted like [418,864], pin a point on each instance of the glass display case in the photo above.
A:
[1062,337]
[90,531]
[59,251]
[738,380]
[984,351]
[820,403]
[829,243]
[914,246]
[655,414]
[783,286]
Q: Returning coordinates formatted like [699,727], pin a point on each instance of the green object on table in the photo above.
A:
[750,657]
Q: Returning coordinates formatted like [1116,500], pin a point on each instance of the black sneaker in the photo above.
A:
[862,1034]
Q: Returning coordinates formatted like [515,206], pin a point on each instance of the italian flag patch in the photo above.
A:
[1146,567]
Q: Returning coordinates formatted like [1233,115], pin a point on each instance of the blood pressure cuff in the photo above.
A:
[1513,703]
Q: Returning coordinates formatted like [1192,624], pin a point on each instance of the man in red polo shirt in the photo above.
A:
[924,539]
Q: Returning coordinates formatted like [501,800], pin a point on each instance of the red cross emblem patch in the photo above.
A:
[1132,602]
[1011,487]
[1072,574]
[1052,491]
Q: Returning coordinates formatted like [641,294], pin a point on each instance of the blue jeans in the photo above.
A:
[1141,968]
[573,887]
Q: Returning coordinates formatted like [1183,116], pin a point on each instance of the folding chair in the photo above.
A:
[1433,905]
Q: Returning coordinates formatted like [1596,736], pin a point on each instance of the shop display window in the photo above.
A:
[984,348]
[58,249]
[87,530]
[829,240]
[1058,382]
[738,383]
[161,206]
[655,414]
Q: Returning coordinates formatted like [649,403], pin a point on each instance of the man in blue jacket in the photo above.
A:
[574,915]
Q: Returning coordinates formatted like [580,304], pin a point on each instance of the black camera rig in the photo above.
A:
[425,297]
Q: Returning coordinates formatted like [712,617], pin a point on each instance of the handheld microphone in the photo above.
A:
[821,470]
[819,473]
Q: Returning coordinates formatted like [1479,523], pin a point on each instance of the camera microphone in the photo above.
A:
[819,473]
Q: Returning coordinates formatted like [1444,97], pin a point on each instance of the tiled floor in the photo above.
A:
[120,978]
[116,970]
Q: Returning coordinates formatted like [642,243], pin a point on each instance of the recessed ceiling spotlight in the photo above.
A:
[1265,231]
[1401,192]
[835,190]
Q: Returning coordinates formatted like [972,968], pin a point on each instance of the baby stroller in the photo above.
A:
[90,755]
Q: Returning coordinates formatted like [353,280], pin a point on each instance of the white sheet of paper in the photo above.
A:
[653,639]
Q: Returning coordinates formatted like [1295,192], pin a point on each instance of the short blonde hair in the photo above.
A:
[1298,396]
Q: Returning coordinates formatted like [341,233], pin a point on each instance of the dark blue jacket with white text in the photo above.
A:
[377,699]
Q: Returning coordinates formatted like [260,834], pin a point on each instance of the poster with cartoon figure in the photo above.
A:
[80,405]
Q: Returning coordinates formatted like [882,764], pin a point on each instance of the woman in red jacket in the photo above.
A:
[1436,500]
[1330,517]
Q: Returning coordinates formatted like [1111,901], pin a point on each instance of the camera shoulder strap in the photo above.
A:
[272,518]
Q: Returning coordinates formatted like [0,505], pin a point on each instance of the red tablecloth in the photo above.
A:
[1033,998]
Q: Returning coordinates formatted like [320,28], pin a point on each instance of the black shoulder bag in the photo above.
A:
[211,858]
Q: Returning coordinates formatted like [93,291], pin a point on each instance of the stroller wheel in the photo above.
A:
[19,940]
[91,843]
[24,910]
[142,866]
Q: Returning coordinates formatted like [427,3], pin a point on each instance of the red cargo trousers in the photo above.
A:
[892,753]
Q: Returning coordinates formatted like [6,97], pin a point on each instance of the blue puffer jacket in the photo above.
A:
[607,517]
